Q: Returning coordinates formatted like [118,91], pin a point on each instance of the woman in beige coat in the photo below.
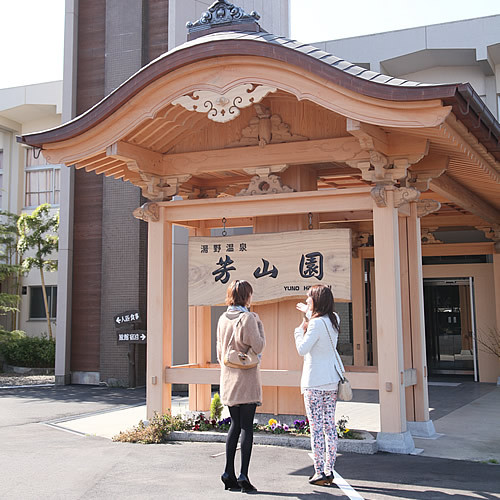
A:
[240,390]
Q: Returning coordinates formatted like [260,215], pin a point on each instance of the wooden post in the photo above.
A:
[406,299]
[496,272]
[389,323]
[358,312]
[416,287]
[159,326]
[200,330]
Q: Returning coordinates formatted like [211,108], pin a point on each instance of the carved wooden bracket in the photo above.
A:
[379,196]
[361,239]
[158,188]
[380,170]
[149,212]
[421,180]
[264,129]
[426,207]
[491,232]
[405,195]
[427,237]
[265,183]
[224,107]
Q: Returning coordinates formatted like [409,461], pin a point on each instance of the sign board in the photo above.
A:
[278,265]
[132,336]
[126,318]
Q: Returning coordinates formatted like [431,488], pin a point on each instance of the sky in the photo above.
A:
[32,31]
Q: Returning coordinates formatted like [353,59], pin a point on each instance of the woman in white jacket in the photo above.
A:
[316,340]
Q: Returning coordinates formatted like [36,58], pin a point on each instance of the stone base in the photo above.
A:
[365,446]
[63,379]
[400,442]
[422,429]
[85,378]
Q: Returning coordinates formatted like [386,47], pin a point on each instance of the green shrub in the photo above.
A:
[33,352]
[157,431]
[216,407]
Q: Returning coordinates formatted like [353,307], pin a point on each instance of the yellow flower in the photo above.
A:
[346,430]
[272,421]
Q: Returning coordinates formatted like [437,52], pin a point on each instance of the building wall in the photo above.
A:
[23,110]
[275,16]
[461,51]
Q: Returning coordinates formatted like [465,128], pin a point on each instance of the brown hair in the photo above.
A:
[238,293]
[323,303]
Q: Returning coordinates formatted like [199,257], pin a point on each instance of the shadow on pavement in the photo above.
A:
[428,477]
[81,393]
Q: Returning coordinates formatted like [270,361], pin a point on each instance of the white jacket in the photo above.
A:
[319,357]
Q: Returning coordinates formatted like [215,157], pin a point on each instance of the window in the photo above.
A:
[42,181]
[37,307]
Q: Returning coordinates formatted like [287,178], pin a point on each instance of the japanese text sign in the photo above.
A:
[278,265]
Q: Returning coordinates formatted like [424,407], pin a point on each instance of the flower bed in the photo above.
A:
[161,426]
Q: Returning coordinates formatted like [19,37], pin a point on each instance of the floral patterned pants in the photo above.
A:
[320,408]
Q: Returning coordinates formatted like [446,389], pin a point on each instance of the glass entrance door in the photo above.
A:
[449,326]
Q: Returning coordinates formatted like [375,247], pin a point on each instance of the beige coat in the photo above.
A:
[240,386]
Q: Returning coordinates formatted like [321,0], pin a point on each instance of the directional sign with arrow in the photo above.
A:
[132,336]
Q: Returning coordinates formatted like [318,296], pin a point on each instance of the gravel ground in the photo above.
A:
[13,379]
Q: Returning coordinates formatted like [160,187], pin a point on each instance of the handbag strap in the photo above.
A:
[336,354]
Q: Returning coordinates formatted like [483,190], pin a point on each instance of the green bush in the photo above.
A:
[156,432]
[33,352]
[216,407]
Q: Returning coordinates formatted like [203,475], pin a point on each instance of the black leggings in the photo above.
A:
[241,422]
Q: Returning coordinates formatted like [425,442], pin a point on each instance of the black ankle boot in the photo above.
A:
[245,484]
[229,481]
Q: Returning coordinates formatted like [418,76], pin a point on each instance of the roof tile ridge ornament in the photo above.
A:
[223,16]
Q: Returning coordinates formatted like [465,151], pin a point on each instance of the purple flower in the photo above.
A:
[286,428]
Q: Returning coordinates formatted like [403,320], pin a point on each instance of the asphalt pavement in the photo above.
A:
[41,461]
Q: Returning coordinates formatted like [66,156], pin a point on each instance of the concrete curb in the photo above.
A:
[24,370]
[366,446]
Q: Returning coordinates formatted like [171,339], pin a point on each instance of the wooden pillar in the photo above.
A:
[406,299]
[200,336]
[358,312]
[159,325]
[496,273]
[389,323]
[416,287]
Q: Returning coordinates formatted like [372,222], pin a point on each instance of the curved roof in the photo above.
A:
[467,105]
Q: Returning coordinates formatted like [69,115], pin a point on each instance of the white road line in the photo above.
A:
[60,428]
[223,453]
[346,488]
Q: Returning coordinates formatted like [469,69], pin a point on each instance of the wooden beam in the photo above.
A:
[373,138]
[270,378]
[148,160]
[327,200]
[460,195]
[443,249]
[438,249]
[441,220]
[293,153]
[370,137]
[353,216]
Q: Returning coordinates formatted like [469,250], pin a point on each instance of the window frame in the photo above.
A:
[51,194]
[50,299]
